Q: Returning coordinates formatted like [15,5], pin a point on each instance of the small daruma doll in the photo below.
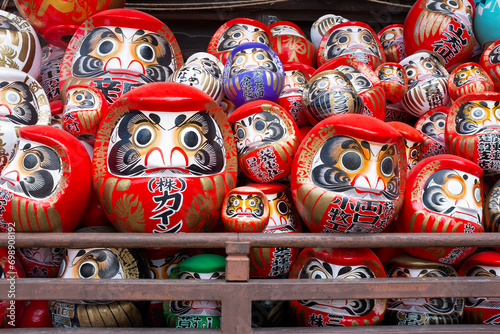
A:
[392,41]
[95,264]
[252,72]
[164,159]
[427,83]
[338,264]
[353,38]
[421,311]
[473,130]
[444,27]
[394,81]
[245,209]
[481,310]
[196,313]
[413,141]
[46,185]
[266,140]
[330,93]
[432,126]
[118,50]
[444,196]
[237,32]
[469,78]
[349,175]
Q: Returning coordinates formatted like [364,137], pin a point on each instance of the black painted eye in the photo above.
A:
[30,161]
[191,138]
[79,97]
[282,208]
[261,39]
[453,4]
[146,52]
[87,270]
[260,125]
[251,202]
[413,153]
[106,47]
[236,202]
[440,124]
[410,73]
[241,133]
[144,135]
[428,65]
[343,39]
[318,274]
[387,166]
[237,35]
[367,39]
[351,160]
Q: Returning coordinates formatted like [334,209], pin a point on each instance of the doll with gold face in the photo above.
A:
[481,310]
[253,71]
[337,263]
[421,311]
[353,38]
[46,183]
[266,140]
[164,159]
[296,77]
[392,41]
[237,32]
[427,83]
[196,313]
[330,93]
[432,126]
[349,175]
[473,130]
[100,263]
[20,45]
[444,196]
[245,209]
[119,50]
[469,78]
[443,27]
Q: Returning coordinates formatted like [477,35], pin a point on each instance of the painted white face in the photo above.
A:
[260,129]
[115,51]
[166,144]
[281,215]
[241,33]
[285,30]
[434,127]
[455,194]
[477,117]
[352,39]
[421,305]
[391,37]
[34,170]
[318,269]
[91,263]
[295,82]
[360,81]
[461,10]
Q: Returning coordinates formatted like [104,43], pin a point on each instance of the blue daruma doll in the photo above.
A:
[252,72]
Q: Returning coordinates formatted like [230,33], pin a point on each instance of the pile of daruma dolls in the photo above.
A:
[108,128]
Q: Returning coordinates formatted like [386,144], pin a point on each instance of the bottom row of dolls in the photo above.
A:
[311,263]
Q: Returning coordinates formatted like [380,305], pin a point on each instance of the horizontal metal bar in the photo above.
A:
[218,240]
[270,289]
[120,330]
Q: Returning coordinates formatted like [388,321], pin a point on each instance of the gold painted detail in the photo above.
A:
[422,178]
[129,213]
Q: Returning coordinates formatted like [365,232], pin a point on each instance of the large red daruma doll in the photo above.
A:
[444,196]
[164,159]
[444,27]
[337,263]
[46,186]
[349,175]
[117,50]
[473,130]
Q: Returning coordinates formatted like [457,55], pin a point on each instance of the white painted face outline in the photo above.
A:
[295,82]
[281,214]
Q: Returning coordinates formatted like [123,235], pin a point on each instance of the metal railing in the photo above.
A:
[237,292]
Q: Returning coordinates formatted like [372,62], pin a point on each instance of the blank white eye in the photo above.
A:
[144,135]
[497,113]
[323,84]
[477,194]
[146,53]
[389,36]
[87,269]
[62,267]
[240,60]
[477,113]
[318,274]
[106,47]
[251,202]
[191,137]
[454,187]
[236,202]
[12,97]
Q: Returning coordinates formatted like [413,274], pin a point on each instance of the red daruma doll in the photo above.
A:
[164,159]
[444,196]
[349,175]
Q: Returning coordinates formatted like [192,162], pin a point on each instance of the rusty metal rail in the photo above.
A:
[238,291]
